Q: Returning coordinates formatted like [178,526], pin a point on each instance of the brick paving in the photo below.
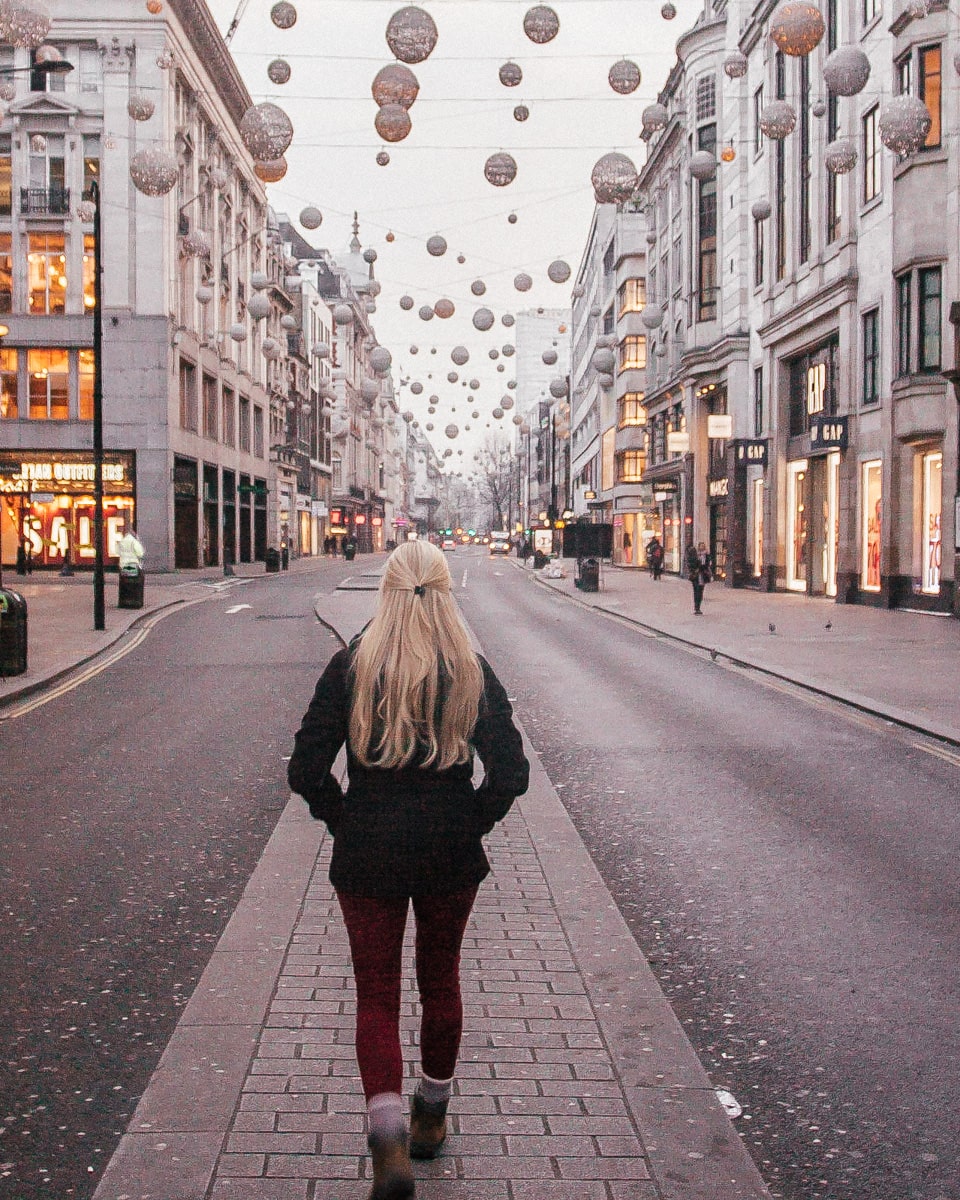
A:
[537,1110]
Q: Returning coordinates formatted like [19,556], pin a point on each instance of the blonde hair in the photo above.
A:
[416,679]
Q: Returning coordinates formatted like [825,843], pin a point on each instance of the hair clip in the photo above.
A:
[419,590]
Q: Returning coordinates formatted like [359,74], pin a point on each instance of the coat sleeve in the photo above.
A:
[500,748]
[318,742]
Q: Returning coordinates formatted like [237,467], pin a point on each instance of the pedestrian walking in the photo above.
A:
[654,553]
[700,572]
[412,702]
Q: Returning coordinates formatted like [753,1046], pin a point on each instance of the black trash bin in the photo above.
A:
[349,551]
[131,587]
[271,560]
[13,633]
[588,578]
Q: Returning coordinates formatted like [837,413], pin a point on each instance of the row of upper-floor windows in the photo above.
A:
[85,78]
[48,384]
[46,170]
[37,272]
[218,412]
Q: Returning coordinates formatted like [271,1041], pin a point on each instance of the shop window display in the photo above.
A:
[871,517]
[931,543]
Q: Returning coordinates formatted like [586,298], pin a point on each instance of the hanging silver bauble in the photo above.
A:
[703,165]
[761,210]
[279,71]
[451,430]
[797,27]
[196,244]
[497,413]
[603,359]
[522,282]
[395,84]
[437,245]
[512,383]
[140,107]
[506,401]
[266,131]
[408,416]
[840,156]
[500,169]
[8,89]
[25,25]
[259,280]
[654,117]
[283,15]
[406,303]
[474,383]
[321,350]
[558,271]
[311,217]
[342,314]
[369,390]
[549,357]
[238,332]
[735,64]
[426,312]
[165,59]
[846,71]
[512,218]
[460,355]
[652,315]
[558,387]
[614,179]
[493,353]
[904,124]
[271,170]
[818,108]
[218,176]
[154,171]
[607,339]
[416,387]
[510,74]
[369,256]
[483,319]
[668,11]
[777,119]
[605,379]
[508,350]
[507,319]
[917,8]
[478,287]
[521,112]
[38,143]
[444,308]
[624,77]
[541,24]
[429,427]
[411,34]
[270,348]
[204,294]
[381,360]
[383,160]
[392,122]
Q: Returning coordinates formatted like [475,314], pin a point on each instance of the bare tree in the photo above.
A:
[495,469]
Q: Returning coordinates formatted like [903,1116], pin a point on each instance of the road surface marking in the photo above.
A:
[235,608]
[463,582]
[939,752]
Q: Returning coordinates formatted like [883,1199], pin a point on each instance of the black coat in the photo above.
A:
[414,830]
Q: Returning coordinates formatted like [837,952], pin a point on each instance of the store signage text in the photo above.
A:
[68,472]
[752,452]
[718,488]
[719,425]
[828,433]
[816,387]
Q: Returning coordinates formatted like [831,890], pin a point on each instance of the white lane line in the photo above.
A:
[463,582]
[235,608]
[937,752]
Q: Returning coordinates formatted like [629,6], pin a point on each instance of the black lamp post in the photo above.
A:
[99,599]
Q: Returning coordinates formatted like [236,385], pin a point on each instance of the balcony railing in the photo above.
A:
[45,201]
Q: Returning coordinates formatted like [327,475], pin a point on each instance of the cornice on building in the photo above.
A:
[198,24]
[811,311]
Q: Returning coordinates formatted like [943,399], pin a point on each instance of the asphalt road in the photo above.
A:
[790,870]
[134,810]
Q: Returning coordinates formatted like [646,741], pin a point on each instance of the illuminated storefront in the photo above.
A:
[871,524]
[932,512]
[47,505]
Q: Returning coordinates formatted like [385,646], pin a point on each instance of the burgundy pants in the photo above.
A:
[375,928]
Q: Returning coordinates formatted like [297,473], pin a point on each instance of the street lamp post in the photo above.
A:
[99,599]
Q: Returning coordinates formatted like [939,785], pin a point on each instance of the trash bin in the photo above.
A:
[13,633]
[349,551]
[271,560]
[131,587]
[588,577]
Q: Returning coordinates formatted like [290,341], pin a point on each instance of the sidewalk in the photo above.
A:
[896,664]
[60,615]
[576,1080]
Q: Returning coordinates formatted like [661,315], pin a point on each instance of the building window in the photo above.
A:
[633,295]
[631,466]
[607,459]
[904,320]
[91,161]
[85,382]
[871,9]
[871,356]
[228,417]
[757,401]
[47,273]
[871,524]
[245,424]
[89,297]
[258,448]
[931,88]
[336,469]
[932,512]
[6,273]
[871,156]
[188,395]
[706,102]
[707,233]
[757,131]
[929,289]
[609,259]
[9,385]
[798,516]
[633,352]
[804,232]
[49,385]
[6,178]
[758,252]
[632,411]
[834,181]
[209,407]
[813,387]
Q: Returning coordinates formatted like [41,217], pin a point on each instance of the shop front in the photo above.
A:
[666,519]
[746,511]
[636,518]
[813,510]
[47,506]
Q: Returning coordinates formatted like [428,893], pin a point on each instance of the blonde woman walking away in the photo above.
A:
[412,702]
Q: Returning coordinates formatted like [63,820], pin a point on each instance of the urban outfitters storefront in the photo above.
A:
[47,505]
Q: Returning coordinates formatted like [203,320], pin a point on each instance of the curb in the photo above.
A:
[868,707]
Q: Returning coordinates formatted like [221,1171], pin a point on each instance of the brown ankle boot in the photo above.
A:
[428,1127]
[392,1173]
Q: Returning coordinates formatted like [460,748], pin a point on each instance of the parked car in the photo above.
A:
[499,543]
[448,543]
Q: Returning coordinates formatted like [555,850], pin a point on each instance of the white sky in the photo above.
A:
[435,181]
